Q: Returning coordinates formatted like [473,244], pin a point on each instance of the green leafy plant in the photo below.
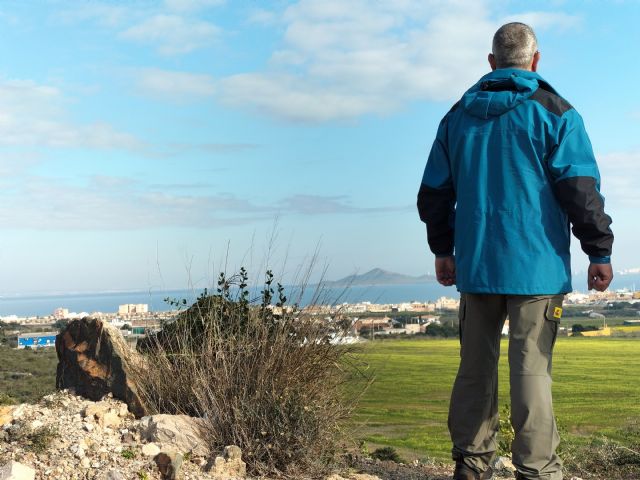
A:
[6,399]
[128,454]
[505,432]
[39,440]
[386,453]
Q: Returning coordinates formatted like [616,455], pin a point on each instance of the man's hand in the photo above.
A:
[599,276]
[446,270]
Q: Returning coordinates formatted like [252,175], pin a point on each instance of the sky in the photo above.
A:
[151,144]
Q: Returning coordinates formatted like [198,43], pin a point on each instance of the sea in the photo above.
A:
[108,302]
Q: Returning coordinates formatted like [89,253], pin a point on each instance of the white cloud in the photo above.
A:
[33,115]
[307,204]
[108,15]
[345,59]
[543,20]
[112,203]
[122,203]
[172,34]
[260,16]
[191,5]
[178,86]
[287,97]
[620,172]
[14,162]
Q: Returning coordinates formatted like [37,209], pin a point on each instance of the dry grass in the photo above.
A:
[604,458]
[264,376]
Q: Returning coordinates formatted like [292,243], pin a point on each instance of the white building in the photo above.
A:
[118,322]
[132,308]
[446,303]
[61,313]
[11,319]
[405,307]
[413,328]
[423,307]
[577,297]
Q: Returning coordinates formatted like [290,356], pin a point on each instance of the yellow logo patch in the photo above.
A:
[557,312]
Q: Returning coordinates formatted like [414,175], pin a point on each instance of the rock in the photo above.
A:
[233,452]
[6,415]
[123,411]
[77,450]
[94,360]
[16,471]
[88,427]
[36,424]
[114,475]
[169,464]
[18,411]
[503,464]
[181,432]
[93,410]
[231,465]
[108,420]
[353,476]
[150,449]
[127,438]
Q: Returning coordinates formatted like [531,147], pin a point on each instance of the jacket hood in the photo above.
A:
[500,91]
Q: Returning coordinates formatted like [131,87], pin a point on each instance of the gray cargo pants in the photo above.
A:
[473,412]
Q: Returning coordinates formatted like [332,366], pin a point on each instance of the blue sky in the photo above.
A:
[147,144]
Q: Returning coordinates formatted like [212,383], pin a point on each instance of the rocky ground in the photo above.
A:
[67,437]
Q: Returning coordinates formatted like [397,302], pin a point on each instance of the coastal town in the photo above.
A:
[366,318]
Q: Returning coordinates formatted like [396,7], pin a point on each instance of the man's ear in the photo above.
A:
[534,62]
[492,61]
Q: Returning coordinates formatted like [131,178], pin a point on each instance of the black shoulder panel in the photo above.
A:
[552,102]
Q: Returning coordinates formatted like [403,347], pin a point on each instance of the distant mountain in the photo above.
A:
[377,276]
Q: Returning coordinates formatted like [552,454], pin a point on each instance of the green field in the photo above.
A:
[26,375]
[596,391]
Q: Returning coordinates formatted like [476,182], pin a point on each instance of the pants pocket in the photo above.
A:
[549,332]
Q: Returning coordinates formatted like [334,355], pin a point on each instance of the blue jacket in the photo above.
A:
[510,168]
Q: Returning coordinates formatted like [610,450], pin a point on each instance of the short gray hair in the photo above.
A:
[514,45]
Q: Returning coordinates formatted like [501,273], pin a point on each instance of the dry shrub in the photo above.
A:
[37,440]
[605,458]
[264,376]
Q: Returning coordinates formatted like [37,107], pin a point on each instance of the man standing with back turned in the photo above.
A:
[510,168]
